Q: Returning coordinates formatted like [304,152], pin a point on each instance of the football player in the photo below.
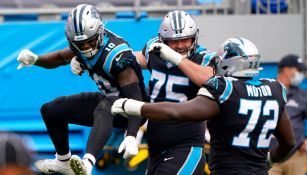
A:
[244,113]
[109,61]
[178,67]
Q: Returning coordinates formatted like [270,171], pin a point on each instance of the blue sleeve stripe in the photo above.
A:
[191,162]
[227,91]
[207,58]
[200,49]
[110,57]
[148,44]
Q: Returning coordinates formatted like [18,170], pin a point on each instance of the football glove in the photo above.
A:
[76,67]
[130,146]
[26,58]
[166,53]
[124,106]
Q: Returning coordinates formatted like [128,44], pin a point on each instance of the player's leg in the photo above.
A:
[186,160]
[99,135]
[104,122]
[57,114]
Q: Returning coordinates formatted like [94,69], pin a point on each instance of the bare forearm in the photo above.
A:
[162,112]
[54,59]
[197,109]
[197,73]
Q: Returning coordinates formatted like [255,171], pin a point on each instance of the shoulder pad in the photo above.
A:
[113,55]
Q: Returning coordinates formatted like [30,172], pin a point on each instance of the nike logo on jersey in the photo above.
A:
[118,58]
[169,158]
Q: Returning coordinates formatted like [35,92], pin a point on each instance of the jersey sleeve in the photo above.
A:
[216,88]
[118,59]
[209,59]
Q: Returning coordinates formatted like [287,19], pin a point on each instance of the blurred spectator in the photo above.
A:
[15,157]
[291,73]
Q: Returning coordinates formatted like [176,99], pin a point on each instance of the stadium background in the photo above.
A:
[275,32]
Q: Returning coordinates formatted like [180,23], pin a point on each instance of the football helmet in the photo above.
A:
[239,57]
[178,25]
[84,27]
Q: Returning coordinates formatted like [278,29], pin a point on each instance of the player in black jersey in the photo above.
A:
[109,61]
[243,113]
[170,57]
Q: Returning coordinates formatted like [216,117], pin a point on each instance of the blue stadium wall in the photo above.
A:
[24,91]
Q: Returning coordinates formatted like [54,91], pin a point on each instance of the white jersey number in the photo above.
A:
[270,108]
[169,81]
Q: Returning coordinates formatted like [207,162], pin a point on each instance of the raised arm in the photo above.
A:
[198,74]
[49,60]
[285,138]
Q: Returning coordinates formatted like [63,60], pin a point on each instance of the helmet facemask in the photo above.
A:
[93,45]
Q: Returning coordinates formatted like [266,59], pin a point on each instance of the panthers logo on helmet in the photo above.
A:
[239,58]
[233,49]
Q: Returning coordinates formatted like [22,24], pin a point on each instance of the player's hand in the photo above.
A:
[130,146]
[76,67]
[26,58]
[126,107]
[166,53]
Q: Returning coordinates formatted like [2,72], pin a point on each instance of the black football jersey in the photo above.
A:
[114,56]
[169,83]
[241,133]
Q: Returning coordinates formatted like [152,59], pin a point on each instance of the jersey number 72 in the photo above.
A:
[255,106]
